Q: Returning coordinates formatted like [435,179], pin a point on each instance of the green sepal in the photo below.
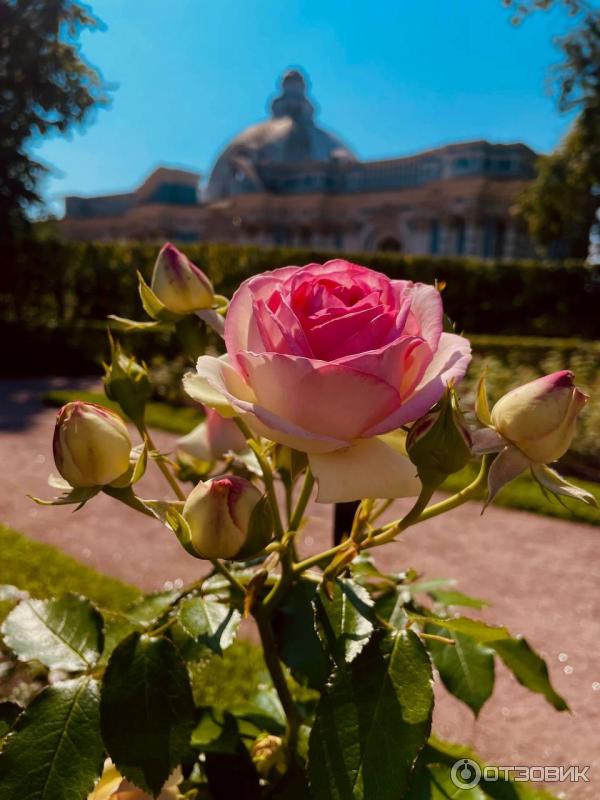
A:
[168,513]
[128,325]
[482,406]
[78,496]
[152,305]
[439,443]
[126,495]
[260,530]
[137,468]
[127,383]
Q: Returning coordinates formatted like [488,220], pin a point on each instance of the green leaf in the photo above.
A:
[56,751]
[452,598]
[298,644]
[478,631]
[146,709]
[152,607]
[372,721]
[344,623]
[392,607]
[529,669]
[65,633]
[466,668]
[209,622]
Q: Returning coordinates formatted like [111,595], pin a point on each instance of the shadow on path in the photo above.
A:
[21,399]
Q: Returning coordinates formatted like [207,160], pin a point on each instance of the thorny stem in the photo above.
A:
[273,663]
[164,468]
[473,490]
[228,575]
[307,488]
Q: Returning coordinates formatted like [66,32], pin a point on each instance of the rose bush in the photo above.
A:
[328,358]
[332,372]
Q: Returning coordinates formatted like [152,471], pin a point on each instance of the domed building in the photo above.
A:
[287,181]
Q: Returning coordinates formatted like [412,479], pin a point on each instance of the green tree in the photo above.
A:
[559,206]
[45,86]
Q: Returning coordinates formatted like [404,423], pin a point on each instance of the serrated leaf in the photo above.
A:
[529,669]
[466,668]
[477,630]
[209,622]
[63,633]
[391,607]
[344,623]
[56,751]
[372,721]
[453,598]
[297,641]
[146,710]
[152,607]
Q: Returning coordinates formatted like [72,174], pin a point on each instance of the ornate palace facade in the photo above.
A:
[286,181]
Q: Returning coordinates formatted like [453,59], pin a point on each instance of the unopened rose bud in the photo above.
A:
[179,285]
[91,444]
[539,417]
[214,437]
[439,443]
[268,755]
[228,518]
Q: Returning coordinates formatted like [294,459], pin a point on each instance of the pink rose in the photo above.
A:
[328,358]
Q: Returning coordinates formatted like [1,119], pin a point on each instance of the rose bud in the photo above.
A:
[214,437]
[539,417]
[439,443]
[179,285]
[228,518]
[91,444]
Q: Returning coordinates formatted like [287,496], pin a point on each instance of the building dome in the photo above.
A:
[289,137]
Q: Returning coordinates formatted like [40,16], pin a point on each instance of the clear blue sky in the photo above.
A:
[390,76]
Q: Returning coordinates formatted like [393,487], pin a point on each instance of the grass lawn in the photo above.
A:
[44,571]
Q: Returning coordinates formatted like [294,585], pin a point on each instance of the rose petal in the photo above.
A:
[217,385]
[449,361]
[241,332]
[325,399]
[427,314]
[368,468]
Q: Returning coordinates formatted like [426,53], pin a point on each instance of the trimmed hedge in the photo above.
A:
[53,282]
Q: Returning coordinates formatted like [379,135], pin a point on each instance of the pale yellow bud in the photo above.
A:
[539,417]
[91,445]
[221,516]
[179,285]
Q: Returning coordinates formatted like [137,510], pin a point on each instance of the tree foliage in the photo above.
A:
[45,86]
[560,205]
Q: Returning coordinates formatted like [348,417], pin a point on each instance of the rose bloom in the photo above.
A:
[328,359]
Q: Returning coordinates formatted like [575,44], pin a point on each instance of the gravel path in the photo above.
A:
[540,574]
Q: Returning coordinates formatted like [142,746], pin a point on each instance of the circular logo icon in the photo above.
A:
[465,773]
